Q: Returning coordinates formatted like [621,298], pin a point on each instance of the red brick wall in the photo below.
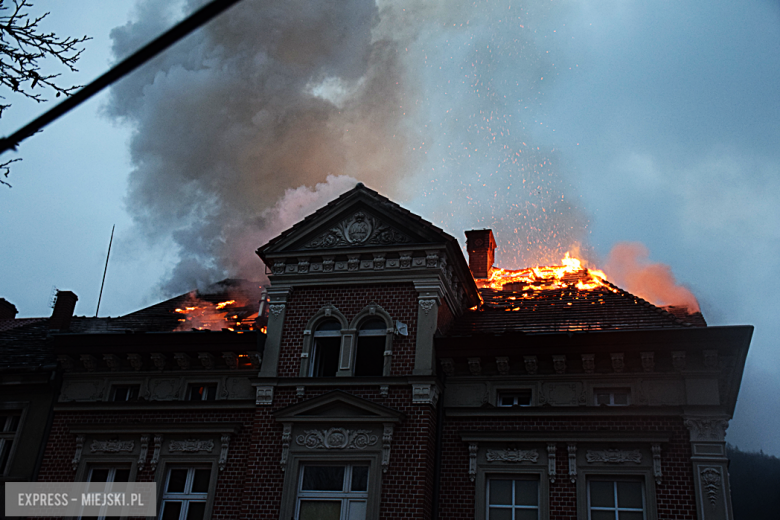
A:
[61,447]
[407,485]
[675,496]
[399,300]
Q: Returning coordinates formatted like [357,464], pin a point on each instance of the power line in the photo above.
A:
[129,64]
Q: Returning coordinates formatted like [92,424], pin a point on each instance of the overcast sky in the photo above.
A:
[554,123]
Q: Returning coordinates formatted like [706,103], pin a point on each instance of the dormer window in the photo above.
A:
[326,349]
[369,359]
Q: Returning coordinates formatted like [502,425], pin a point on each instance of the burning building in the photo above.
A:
[387,376]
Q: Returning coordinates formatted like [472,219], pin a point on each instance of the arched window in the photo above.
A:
[369,359]
[326,349]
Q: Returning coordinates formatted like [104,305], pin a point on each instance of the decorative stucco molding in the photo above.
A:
[475,366]
[359,229]
[144,452]
[112,361]
[559,364]
[427,305]
[710,358]
[286,438]
[207,360]
[678,360]
[502,364]
[223,450]
[613,456]
[231,360]
[707,428]
[156,454]
[183,360]
[656,449]
[135,361]
[551,461]
[473,448]
[531,364]
[112,446]
[264,395]
[425,394]
[448,366]
[336,438]
[89,361]
[572,448]
[384,391]
[618,362]
[159,360]
[66,362]
[648,361]
[387,439]
[588,363]
[79,449]
[191,445]
[276,309]
[711,482]
[512,455]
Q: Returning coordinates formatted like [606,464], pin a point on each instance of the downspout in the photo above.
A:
[438,455]
[55,383]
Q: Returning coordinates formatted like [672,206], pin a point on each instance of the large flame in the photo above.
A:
[546,277]
[203,315]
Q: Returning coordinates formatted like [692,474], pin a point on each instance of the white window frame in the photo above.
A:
[611,391]
[514,393]
[109,481]
[7,436]
[208,386]
[187,496]
[617,509]
[128,387]
[514,507]
[345,496]
[322,334]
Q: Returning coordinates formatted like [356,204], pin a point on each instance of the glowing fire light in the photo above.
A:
[203,315]
[546,278]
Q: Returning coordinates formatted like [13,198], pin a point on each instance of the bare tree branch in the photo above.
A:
[22,45]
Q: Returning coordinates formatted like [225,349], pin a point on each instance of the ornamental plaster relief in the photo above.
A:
[512,455]
[613,456]
[337,438]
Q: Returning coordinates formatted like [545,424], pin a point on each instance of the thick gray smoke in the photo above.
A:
[277,107]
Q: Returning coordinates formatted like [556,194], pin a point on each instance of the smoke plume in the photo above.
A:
[276,107]
[629,267]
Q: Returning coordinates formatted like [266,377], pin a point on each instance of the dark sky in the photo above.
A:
[556,123]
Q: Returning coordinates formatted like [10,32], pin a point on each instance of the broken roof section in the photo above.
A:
[568,309]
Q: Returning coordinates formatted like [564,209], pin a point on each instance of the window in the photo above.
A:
[9,424]
[327,347]
[332,492]
[616,500]
[107,475]
[185,494]
[513,499]
[369,360]
[515,398]
[202,392]
[612,396]
[125,392]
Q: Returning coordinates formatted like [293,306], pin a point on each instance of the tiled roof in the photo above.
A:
[25,343]
[18,322]
[568,309]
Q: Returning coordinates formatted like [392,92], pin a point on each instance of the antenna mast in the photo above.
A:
[105,270]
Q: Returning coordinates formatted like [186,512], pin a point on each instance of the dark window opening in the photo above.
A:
[515,398]
[204,392]
[326,349]
[125,393]
[612,396]
[370,356]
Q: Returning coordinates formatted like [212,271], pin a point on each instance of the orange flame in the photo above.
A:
[204,315]
[546,277]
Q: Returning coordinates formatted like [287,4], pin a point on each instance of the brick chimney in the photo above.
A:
[481,247]
[7,310]
[63,310]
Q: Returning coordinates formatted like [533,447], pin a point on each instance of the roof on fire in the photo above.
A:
[569,309]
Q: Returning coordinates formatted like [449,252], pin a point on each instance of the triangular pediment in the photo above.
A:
[338,405]
[361,218]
